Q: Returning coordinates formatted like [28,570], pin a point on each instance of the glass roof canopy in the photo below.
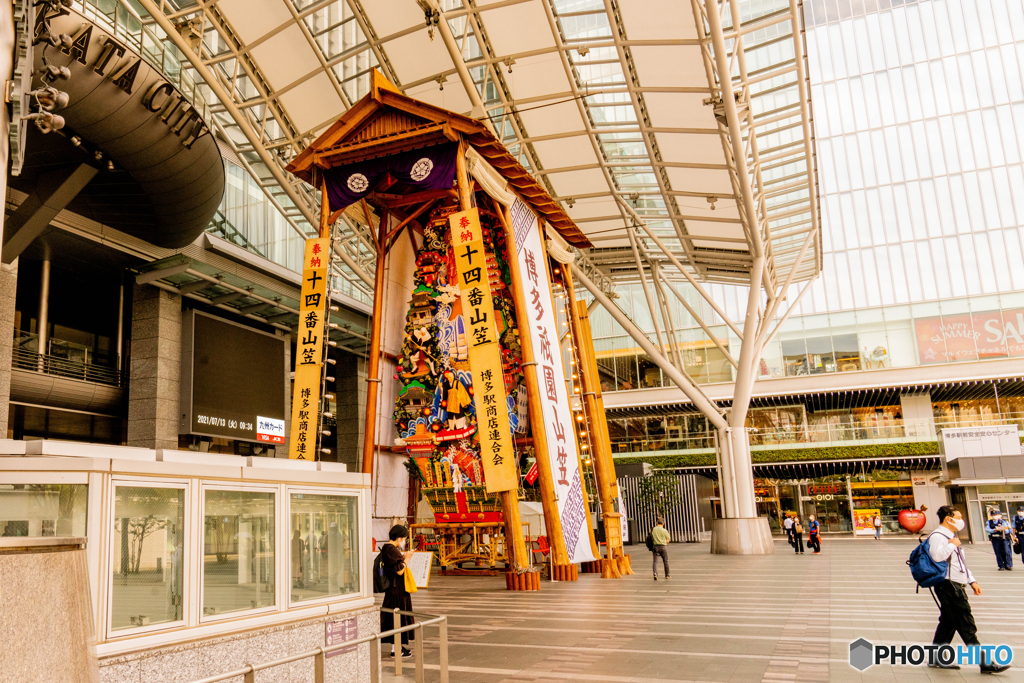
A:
[615,105]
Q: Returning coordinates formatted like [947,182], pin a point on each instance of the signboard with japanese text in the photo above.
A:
[337,631]
[554,397]
[489,393]
[309,350]
[980,442]
[233,378]
[970,336]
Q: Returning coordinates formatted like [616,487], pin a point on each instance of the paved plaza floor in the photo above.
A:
[784,617]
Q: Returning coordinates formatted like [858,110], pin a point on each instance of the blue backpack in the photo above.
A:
[926,571]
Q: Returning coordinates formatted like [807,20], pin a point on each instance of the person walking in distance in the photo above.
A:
[1001,535]
[877,522]
[788,524]
[954,608]
[395,594]
[813,534]
[798,536]
[660,540]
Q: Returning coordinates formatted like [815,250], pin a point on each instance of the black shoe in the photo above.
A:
[655,577]
[994,668]
[1002,569]
[1009,569]
[938,665]
[406,653]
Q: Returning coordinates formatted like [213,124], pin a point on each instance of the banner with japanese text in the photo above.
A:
[554,396]
[489,393]
[309,350]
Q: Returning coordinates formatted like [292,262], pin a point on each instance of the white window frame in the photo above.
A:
[203,487]
[183,485]
[361,528]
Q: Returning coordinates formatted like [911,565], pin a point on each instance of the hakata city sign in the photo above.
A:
[970,336]
[554,398]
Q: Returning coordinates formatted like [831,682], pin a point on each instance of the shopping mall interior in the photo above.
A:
[736,262]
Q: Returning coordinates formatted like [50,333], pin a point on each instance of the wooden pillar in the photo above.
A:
[373,366]
[599,440]
[552,521]
[515,545]
[603,444]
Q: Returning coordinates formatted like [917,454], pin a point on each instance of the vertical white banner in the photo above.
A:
[558,420]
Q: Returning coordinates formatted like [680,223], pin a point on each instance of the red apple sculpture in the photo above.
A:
[912,520]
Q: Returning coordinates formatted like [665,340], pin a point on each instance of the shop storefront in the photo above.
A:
[842,504]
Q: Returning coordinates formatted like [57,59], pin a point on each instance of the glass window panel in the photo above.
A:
[626,372]
[43,509]
[917,211]
[1015,253]
[956,268]
[147,563]
[899,96]
[1008,134]
[323,546]
[858,276]
[947,133]
[944,207]
[976,127]
[871,282]
[933,140]
[794,355]
[903,219]
[986,96]
[1011,69]
[892,145]
[885,98]
[881,167]
[966,82]
[927,266]
[238,551]
[1003,197]
[914,287]
[867,159]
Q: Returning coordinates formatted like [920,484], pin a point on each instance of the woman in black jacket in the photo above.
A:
[798,536]
[395,595]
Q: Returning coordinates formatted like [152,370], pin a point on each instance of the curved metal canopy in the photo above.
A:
[619,107]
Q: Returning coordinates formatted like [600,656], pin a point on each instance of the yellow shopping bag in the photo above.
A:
[410,582]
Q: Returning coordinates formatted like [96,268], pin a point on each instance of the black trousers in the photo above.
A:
[814,541]
[798,542]
[789,535]
[954,615]
[663,552]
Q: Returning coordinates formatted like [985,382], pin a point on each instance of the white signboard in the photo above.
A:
[554,399]
[624,520]
[980,442]
[419,565]
[269,430]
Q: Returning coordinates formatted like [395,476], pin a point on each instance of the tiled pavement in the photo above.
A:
[778,618]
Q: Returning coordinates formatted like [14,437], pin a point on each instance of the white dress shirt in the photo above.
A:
[942,550]
[788,523]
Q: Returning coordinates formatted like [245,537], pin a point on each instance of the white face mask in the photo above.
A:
[958,523]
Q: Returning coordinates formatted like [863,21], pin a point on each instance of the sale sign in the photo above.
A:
[970,336]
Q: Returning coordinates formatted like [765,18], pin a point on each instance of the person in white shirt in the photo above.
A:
[788,524]
[954,608]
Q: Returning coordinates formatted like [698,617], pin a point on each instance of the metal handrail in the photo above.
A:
[248,672]
[25,359]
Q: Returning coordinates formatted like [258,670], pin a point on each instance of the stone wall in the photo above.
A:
[209,657]
[154,377]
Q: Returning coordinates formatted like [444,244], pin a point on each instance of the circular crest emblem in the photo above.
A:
[357,182]
[421,169]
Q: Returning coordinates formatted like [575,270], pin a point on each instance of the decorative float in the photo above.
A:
[480,382]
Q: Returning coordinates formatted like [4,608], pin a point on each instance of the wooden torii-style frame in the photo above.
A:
[386,122]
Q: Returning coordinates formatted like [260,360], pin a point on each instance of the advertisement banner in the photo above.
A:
[864,521]
[558,421]
[489,393]
[970,336]
[309,350]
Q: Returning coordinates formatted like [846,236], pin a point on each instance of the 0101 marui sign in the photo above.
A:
[970,336]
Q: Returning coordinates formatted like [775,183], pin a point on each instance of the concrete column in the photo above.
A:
[155,368]
[8,291]
[43,314]
[350,372]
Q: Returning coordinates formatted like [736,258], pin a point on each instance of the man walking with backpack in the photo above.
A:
[954,609]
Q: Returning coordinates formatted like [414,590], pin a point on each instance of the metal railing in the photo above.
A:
[319,655]
[64,359]
[884,430]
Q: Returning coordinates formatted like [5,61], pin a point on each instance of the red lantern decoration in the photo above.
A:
[426,411]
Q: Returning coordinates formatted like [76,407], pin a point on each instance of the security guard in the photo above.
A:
[1018,527]
[1001,534]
